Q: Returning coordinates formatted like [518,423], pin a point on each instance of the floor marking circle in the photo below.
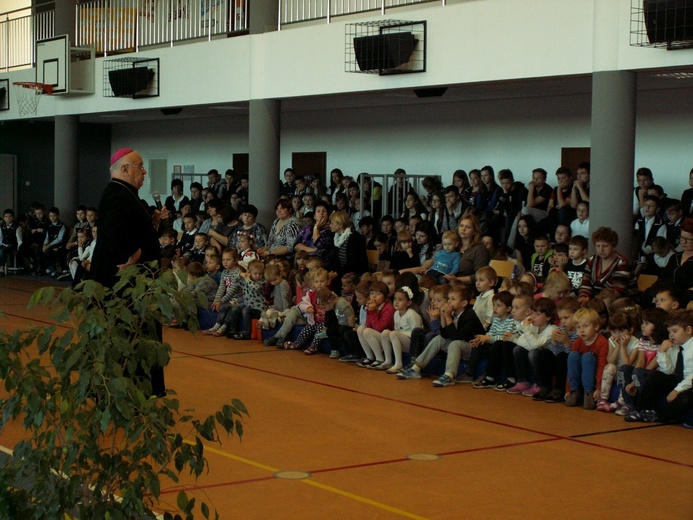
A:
[293,475]
[423,456]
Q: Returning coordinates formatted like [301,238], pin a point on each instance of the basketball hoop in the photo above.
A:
[28,94]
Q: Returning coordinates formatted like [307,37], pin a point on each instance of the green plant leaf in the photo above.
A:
[182,500]
[239,406]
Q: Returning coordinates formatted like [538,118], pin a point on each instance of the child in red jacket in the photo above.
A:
[379,316]
[586,360]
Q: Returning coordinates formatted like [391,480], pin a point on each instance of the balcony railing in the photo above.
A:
[19,30]
[295,11]
[128,25]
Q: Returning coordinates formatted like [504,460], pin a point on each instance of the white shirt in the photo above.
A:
[580,228]
[687,382]
[483,306]
[409,321]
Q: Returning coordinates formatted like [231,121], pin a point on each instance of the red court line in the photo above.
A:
[448,412]
[217,485]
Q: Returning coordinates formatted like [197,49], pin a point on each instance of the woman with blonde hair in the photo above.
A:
[473,253]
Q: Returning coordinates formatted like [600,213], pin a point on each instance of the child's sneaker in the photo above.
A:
[444,380]
[555,396]
[642,416]
[531,391]
[588,402]
[573,398]
[603,406]
[409,373]
[625,410]
[212,330]
[394,370]
[349,358]
[484,383]
[504,387]
[334,354]
[518,388]
[221,331]
[465,378]
[542,394]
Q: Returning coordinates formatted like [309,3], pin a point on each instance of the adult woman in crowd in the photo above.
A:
[487,197]
[470,192]
[413,206]
[317,239]
[176,200]
[437,214]
[474,255]
[350,248]
[679,269]
[282,235]
[608,269]
[249,224]
[336,187]
[461,181]
[223,225]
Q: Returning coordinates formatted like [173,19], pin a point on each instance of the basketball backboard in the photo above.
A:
[70,70]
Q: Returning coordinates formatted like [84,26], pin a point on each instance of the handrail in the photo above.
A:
[297,11]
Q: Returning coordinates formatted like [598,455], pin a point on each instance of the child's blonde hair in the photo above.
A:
[586,316]
[272,272]
[442,290]
[318,273]
[451,235]
[256,265]
[559,282]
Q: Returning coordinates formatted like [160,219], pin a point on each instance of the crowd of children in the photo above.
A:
[540,332]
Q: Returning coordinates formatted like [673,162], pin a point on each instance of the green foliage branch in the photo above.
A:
[99,445]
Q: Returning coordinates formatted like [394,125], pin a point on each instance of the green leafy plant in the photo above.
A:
[98,444]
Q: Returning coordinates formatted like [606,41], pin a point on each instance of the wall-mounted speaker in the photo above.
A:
[128,82]
[384,51]
[668,20]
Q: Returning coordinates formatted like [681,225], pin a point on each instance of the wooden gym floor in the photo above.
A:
[349,439]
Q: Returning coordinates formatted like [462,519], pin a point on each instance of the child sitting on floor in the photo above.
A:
[379,316]
[459,325]
[281,298]
[586,361]
[396,341]
[227,291]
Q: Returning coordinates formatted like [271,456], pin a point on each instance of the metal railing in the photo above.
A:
[127,25]
[19,30]
[295,11]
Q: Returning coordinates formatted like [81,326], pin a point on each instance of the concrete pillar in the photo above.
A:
[263,162]
[613,154]
[66,174]
[264,16]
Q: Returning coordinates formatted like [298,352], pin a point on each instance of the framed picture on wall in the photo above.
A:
[177,168]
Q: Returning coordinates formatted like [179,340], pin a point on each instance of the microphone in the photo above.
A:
[157,199]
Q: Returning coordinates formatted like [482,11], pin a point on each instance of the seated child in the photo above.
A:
[403,257]
[535,333]
[84,249]
[315,311]
[246,250]
[240,318]
[459,325]
[213,267]
[623,350]
[201,286]
[420,337]
[501,352]
[486,280]
[227,292]
[577,262]
[667,296]
[675,383]
[540,261]
[197,253]
[339,318]
[446,260]
[281,298]
[187,240]
[551,364]
[379,316]
[556,286]
[581,225]
[353,349]
[169,247]
[560,256]
[481,344]
[586,361]
[396,341]
[630,378]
